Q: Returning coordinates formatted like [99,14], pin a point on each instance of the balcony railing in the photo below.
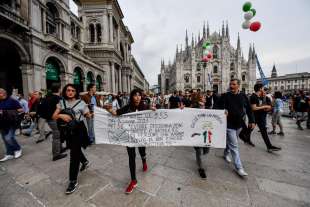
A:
[7,12]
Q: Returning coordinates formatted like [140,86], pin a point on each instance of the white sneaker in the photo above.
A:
[17,154]
[227,158]
[7,157]
[241,172]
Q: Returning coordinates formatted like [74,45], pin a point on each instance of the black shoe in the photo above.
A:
[251,143]
[280,134]
[47,135]
[63,150]
[202,173]
[72,187]
[40,140]
[272,132]
[299,125]
[26,134]
[273,149]
[84,166]
[60,156]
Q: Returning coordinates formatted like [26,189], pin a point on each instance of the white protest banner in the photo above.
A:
[176,127]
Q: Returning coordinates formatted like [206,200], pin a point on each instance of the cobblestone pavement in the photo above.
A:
[275,179]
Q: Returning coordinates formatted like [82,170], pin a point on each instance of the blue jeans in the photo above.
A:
[11,145]
[232,146]
[90,127]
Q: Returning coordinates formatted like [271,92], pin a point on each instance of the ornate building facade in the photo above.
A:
[288,83]
[43,42]
[188,71]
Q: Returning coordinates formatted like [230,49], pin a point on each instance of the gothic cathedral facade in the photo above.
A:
[189,72]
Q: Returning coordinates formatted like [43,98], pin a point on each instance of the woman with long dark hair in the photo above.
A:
[135,104]
[70,114]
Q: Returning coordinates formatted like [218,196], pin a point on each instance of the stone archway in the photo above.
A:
[54,69]
[90,78]
[99,83]
[79,78]
[14,62]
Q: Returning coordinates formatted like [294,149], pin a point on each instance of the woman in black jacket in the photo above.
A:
[75,131]
[135,104]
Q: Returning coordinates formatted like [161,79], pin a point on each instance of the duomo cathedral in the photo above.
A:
[187,71]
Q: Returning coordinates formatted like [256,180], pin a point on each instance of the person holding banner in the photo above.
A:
[236,105]
[135,104]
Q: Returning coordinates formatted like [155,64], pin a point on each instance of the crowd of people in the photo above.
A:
[68,118]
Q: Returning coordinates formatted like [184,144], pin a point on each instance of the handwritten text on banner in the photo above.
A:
[187,127]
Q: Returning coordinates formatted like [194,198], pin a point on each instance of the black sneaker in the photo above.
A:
[71,187]
[202,173]
[299,125]
[60,156]
[251,143]
[273,149]
[39,141]
[272,132]
[84,166]
[281,134]
[48,134]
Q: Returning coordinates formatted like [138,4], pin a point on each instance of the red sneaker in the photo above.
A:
[144,166]
[133,184]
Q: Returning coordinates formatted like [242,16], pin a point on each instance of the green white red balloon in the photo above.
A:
[248,15]
[255,26]
[206,51]
[246,24]
[247,6]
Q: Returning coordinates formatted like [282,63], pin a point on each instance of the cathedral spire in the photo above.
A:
[198,36]
[177,50]
[227,30]
[192,40]
[186,40]
[208,30]
[238,43]
[253,53]
[250,53]
[223,29]
[204,30]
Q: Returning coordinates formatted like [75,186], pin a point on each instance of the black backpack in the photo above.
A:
[71,125]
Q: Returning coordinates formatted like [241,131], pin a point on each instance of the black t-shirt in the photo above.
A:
[50,105]
[237,106]
[259,101]
[174,102]
[187,102]
[301,104]
[127,109]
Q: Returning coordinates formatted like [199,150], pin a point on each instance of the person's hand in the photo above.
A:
[251,125]
[65,117]
[182,106]
[153,108]
[226,112]
[267,107]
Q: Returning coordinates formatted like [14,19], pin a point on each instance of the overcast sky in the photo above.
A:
[157,26]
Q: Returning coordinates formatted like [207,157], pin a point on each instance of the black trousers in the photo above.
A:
[261,123]
[198,155]
[76,157]
[132,159]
